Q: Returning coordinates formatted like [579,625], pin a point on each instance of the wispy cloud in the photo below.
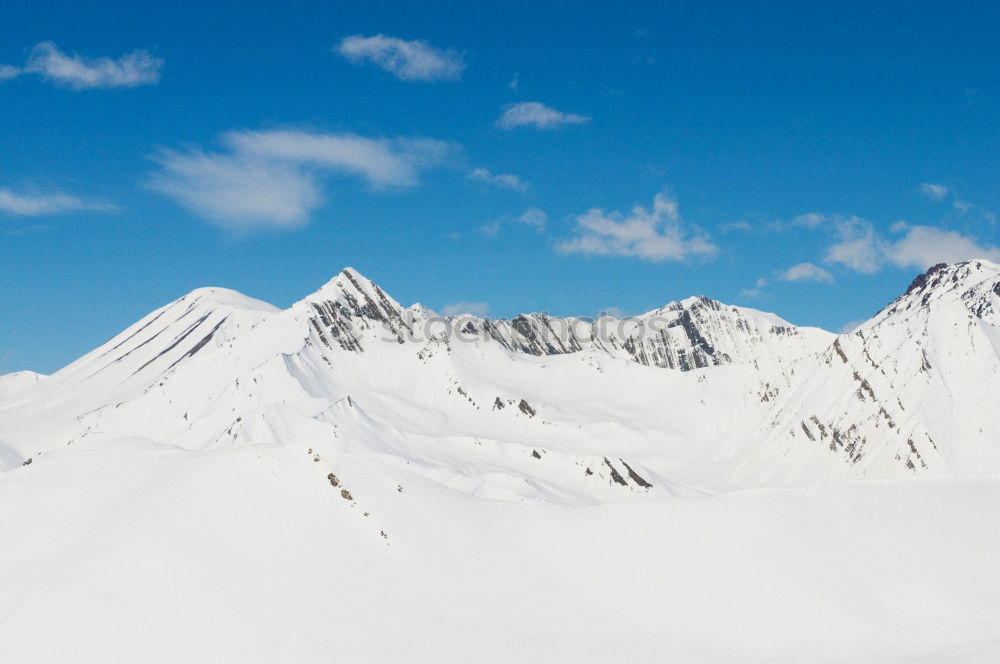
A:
[967,210]
[653,235]
[533,218]
[406,60]
[502,180]
[805,272]
[740,225]
[935,192]
[473,308]
[275,178]
[537,115]
[80,73]
[383,162]
[756,291]
[974,212]
[491,228]
[39,204]
[238,191]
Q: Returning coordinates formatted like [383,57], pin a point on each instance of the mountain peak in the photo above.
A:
[348,282]
[953,276]
[973,283]
[348,304]
[214,295]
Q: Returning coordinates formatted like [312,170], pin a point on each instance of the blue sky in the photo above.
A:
[503,158]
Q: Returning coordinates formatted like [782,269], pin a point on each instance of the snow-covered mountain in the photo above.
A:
[912,387]
[388,468]
[695,396]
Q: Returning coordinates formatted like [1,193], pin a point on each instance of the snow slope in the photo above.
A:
[248,554]
[12,383]
[916,385]
[353,477]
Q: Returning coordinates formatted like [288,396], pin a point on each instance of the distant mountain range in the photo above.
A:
[695,397]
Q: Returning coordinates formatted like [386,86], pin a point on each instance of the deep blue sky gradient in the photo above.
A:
[756,113]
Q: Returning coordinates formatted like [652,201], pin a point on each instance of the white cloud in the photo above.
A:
[756,291]
[809,220]
[383,162]
[490,228]
[924,246]
[473,308]
[863,250]
[859,248]
[533,217]
[535,114]
[81,73]
[935,192]
[502,180]
[806,272]
[650,235]
[38,204]
[406,60]
[274,178]
[236,190]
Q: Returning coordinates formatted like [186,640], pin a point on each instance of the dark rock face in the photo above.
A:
[358,305]
[615,475]
[634,476]
[332,320]
[922,280]
[534,334]
[651,340]
[682,336]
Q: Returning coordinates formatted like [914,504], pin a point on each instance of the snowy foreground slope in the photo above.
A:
[226,481]
[12,383]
